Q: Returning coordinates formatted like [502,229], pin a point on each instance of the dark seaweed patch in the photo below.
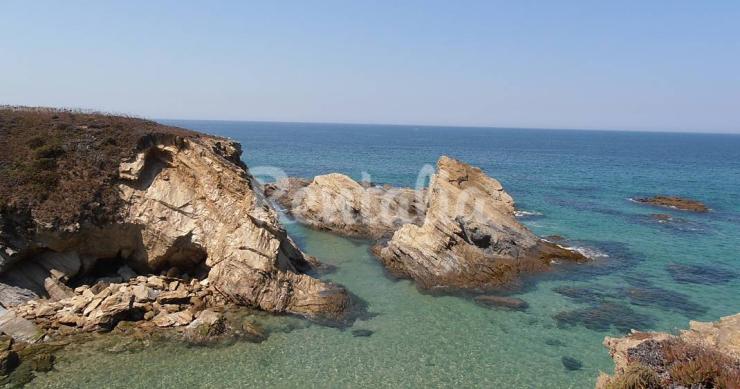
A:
[664,299]
[700,274]
[602,316]
[361,333]
[589,295]
[554,342]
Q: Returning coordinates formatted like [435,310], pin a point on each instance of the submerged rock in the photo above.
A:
[470,238]
[675,202]
[705,356]
[502,302]
[361,333]
[337,203]
[706,274]
[571,363]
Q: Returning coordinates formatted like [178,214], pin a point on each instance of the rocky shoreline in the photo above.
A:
[159,228]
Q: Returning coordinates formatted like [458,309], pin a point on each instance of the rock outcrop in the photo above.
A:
[337,203]
[470,238]
[170,202]
[707,355]
[675,203]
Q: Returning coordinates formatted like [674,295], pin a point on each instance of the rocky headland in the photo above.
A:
[108,219]
[674,202]
[707,355]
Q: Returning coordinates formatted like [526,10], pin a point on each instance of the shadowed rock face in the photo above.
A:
[470,238]
[187,202]
[337,203]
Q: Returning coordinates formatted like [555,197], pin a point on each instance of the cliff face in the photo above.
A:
[707,355]
[337,203]
[168,201]
[470,238]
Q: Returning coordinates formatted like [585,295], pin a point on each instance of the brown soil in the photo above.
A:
[58,166]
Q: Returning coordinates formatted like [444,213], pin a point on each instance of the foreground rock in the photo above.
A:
[705,356]
[470,238]
[674,202]
[337,203]
[131,197]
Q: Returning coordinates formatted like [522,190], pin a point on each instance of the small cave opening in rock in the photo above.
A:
[109,270]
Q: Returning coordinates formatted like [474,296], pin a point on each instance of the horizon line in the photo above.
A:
[673,131]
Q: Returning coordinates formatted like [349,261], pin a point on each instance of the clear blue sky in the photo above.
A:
[653,65]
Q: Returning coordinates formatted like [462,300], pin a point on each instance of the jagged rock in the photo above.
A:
[180,296]
[207,326]
[56,289]
[339,204]
[176,319]
[470,238]
[281,292]
[662,357]
[143,293]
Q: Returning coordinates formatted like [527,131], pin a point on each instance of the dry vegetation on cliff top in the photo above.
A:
[59,164]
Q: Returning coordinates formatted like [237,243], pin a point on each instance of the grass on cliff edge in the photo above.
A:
[59,165]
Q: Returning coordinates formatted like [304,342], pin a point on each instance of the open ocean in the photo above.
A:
[647,274]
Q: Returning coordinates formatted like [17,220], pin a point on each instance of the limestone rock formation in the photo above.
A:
[337,203]
[470,238]
[707,355]
[170,201]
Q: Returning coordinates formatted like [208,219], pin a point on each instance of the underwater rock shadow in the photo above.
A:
[703,274]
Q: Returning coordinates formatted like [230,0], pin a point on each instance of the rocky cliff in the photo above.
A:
[337,203]
[470,238]
[707,355]
[121,197]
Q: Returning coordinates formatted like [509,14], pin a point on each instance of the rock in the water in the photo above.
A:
[470,238]
[571,363]
[674,202]
[339,204]
[502,302]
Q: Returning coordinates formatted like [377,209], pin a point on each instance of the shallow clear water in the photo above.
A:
[579,181]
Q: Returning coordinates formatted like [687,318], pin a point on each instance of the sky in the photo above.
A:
[624,65]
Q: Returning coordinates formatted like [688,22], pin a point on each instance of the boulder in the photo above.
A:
[337,203]
[470,238]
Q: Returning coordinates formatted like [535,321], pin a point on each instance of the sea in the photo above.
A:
[647,272]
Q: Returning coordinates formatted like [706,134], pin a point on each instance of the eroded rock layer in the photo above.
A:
[470,238]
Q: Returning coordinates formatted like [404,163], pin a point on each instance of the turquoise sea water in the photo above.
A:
[649,274]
